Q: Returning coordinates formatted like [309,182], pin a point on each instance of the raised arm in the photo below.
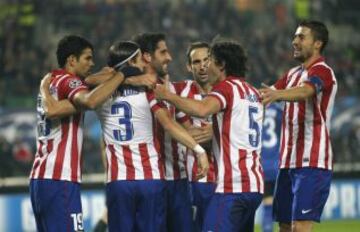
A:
[98,78]
[299,93]
[204,108]
[90,100]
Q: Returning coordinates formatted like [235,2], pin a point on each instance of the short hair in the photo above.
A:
[71,45]
[120,52]
[319,31]
[194,46]
[148,41]
[232,55]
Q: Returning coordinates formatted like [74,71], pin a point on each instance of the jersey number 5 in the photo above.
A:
[253,125]
[123,111]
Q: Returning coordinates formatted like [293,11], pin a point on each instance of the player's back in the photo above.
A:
[127,124]
[59,141]
[237,129]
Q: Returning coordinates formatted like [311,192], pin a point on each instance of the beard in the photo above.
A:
[159,69]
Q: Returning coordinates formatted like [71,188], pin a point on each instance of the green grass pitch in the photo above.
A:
[331,226]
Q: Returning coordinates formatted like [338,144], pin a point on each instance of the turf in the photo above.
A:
[331,226]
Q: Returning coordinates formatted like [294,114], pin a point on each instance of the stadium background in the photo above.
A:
[30,30]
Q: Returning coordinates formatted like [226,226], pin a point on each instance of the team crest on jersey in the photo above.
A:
[74,83]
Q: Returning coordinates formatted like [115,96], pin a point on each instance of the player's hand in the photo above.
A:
[203,165]
[161,91]
[268,95]
[202,134]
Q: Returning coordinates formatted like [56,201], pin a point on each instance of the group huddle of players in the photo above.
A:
[188,155]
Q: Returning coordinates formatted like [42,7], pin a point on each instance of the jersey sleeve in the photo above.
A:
[70,86]
[281,83]
[154,103]
[320,78]
[222,92]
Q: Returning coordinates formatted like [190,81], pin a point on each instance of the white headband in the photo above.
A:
[118,65]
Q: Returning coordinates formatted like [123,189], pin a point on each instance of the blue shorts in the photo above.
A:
[301,194]
[232,212]
[137,205]
[201,194]
[179,206]
[56,205]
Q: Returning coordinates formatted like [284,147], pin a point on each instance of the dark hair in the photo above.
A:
[194,46]
[319,31]
[148,41]
[71,45]
[232,55]
[120,51]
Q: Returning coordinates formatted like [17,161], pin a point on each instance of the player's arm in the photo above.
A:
[180,134]
[90,100]
[299,93]
[52,107]
[100,77]
[204,108]
[147,80]
[201,134]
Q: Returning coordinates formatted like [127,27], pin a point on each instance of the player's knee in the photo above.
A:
[302,226]
[285,227]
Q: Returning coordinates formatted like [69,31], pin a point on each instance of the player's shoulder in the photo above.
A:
[179,86]
[320,68]
[293,70]
[61,76]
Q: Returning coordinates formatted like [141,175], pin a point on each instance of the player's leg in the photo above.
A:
[267,220]
[58,205]
[311,187]
[202,194]
[102,224]
[121,204]
[179,206]
[36,204]
[151,213]
[232,212]
[283,199]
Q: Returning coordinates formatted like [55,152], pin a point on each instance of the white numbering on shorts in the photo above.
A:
[77,221]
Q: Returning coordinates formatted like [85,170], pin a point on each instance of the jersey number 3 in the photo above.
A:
[124,112]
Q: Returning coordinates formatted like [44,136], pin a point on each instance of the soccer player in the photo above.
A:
[237,122]
[269,159]
[136,191]
[56,172]
[201,189]
[306,156]
[157,57]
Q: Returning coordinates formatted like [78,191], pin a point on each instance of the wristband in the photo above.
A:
[198,149]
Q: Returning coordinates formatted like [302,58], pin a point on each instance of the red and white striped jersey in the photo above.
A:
[127,123]
[237,129]
[172,151]
[190,89]
[305,139]
[59,141]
